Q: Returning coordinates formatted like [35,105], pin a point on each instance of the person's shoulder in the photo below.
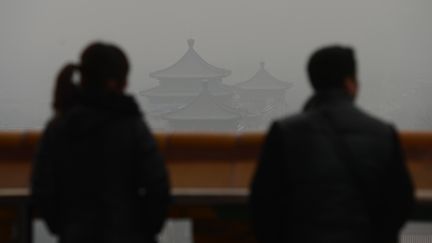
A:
[54,124]
[371,122]
[52,131]
[141,126]
[294,122]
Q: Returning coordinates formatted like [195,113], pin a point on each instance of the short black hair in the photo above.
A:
[101,62]
[329,66]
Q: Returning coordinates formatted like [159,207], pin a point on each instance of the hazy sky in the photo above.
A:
[393,39]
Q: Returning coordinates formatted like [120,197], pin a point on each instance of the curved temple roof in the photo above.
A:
[263,80]
[192,66]
[204,107]
[217,89]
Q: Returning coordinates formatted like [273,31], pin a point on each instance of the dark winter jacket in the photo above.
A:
[98,176]
[306,189]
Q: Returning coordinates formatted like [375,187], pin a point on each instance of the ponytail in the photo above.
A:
[65,91]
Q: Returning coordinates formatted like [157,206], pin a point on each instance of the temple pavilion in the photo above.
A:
[262,95]
[181,82]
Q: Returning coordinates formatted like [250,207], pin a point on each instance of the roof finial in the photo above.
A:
[191,42]
[262,64]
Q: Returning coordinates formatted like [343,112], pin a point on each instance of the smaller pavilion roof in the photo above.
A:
[204,107]
[263,80]
[192,66]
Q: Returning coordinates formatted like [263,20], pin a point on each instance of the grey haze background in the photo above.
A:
[393,39]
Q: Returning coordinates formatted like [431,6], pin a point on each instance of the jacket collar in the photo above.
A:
[110,102]
[328,98]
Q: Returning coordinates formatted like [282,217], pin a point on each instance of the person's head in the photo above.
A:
[103,67]
[333,67]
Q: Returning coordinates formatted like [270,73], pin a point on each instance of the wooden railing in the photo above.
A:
[201,160]
[205,169]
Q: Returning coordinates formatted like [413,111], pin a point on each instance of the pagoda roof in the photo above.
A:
[204,107]
[263,80]
[166,90]
[191,66]
[216,89]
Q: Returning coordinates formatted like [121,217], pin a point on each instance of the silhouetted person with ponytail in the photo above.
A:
[65,92]
[98,176]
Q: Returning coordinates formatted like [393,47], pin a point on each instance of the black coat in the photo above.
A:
[98,176]
[306,190]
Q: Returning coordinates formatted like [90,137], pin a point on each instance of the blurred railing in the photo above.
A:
[210,175]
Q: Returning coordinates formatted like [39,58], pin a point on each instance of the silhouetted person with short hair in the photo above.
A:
[98,176]
[332,173]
